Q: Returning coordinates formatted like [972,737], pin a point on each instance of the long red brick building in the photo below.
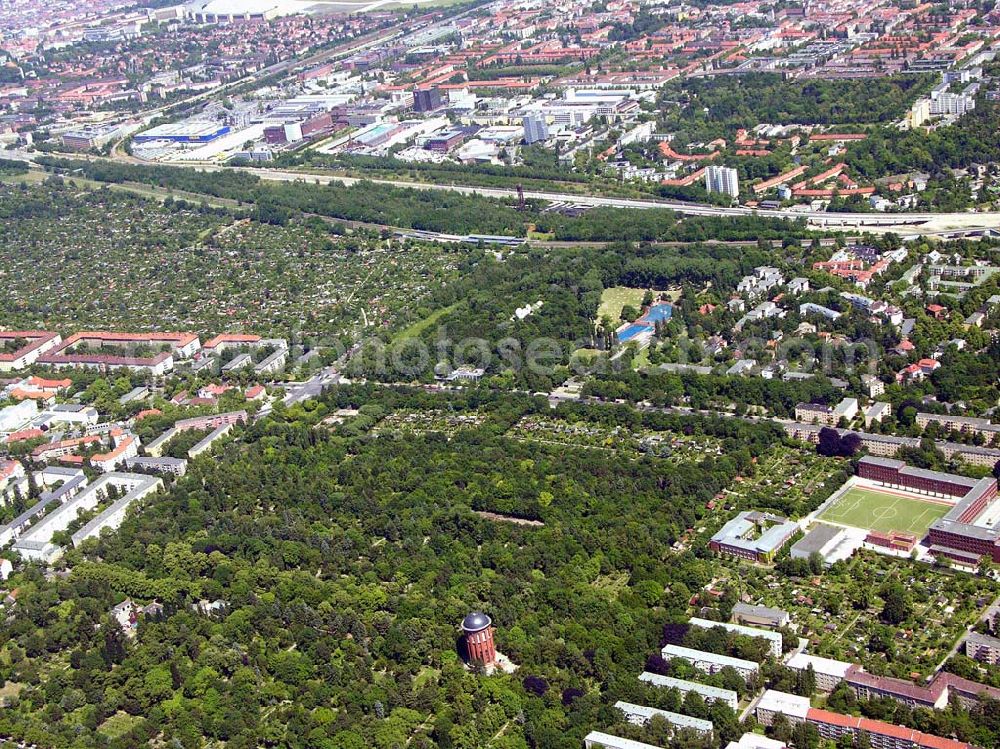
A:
[968,531]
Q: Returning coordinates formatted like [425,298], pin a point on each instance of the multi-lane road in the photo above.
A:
[941,224]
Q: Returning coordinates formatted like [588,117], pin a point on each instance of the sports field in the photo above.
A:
[878,510]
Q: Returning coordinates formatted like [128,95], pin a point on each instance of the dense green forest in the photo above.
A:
[345,564]
[744,101]
[974,139]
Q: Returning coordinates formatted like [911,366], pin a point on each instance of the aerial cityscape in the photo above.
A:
[500,374]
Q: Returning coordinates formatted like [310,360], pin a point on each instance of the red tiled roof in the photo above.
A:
[881,728]
[48,447]
[833,719]
[36,339]
[41,382]
[36,395]
[62,354]
[886,729]
[25,434]
[113,454]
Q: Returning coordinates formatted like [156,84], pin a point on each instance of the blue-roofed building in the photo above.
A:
[752,535]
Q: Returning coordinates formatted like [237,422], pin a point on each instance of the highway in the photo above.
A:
[941,224]
[944,225]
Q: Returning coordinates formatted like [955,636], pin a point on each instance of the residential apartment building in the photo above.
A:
[640,715]
[964,424]
[722,179]
[773,638]
[832,726]
[710,663]
[708,693]
[983,648]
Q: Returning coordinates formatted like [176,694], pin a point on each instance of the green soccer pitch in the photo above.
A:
[884,511]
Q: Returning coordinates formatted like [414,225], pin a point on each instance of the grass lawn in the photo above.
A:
[118,725]
[418,328]
[9,691]
[30,177]
[426,675]
[613,299]
[884,511]
[641,360]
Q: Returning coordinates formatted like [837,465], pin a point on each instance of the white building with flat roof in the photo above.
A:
[13,417]
[600,740]
[710,663]
[132,486]
[829,673]
[756,741]
[722,179]
[708,693]
[640,715]
[792,706]
[773,638]
[36,543]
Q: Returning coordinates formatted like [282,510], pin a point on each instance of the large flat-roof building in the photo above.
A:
[752,535]
[708,693]
[135,487]
[756,741]
[90,136]
[762,616]
[164,465]
[773,702]
[832,726]
[829,673]
[186,132]
[73,482]
[818,413]
[963,424]
[36,543]
[773,638]
[983,648]
[600,740]
[824,540]
[710,663]
[640,715]
[214,421]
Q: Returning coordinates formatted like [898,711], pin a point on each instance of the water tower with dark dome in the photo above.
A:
[478,630]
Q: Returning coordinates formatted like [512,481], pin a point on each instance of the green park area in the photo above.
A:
[617,297]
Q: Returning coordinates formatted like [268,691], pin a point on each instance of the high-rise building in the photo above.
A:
[535,128]
[478,629]
[722,179]
[427,99]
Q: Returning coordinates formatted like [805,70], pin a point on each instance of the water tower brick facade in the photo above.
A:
[478,629]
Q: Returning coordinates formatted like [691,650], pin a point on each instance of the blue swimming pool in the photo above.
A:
[657,313]
[633,330]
